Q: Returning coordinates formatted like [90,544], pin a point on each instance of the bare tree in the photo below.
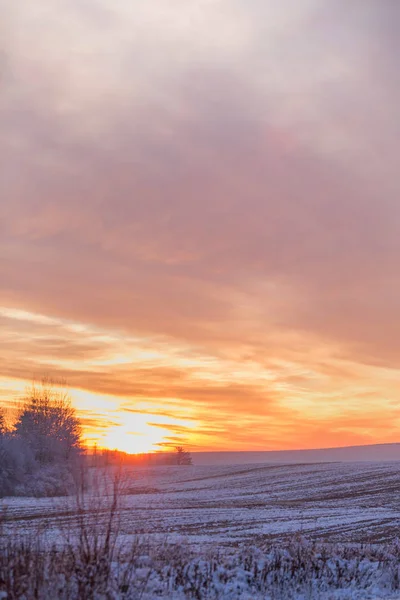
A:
[48,424]
[182,456]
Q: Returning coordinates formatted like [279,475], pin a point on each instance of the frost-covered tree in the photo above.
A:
[182,456]
[14,464]
[48,425]
[13,459]
[38,455]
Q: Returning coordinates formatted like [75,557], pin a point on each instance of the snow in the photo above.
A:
[213,504]
[243,511]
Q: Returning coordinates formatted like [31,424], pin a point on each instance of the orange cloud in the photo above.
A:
[213,234]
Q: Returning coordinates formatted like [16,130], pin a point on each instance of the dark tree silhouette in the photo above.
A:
[182,456]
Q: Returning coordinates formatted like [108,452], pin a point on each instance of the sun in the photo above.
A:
[135,434]
[133,442]
[133,430]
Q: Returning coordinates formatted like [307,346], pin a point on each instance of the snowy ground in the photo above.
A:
[231,527]
[357,502]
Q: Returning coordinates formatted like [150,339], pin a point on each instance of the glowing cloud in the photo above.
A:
[199,218]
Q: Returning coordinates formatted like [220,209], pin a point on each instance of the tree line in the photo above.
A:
[105,457]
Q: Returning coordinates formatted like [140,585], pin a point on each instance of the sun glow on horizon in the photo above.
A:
[146,439]
[136,430]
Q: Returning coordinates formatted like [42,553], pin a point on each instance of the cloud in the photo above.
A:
[231,196]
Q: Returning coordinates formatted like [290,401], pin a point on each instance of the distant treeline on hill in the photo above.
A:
[104,457]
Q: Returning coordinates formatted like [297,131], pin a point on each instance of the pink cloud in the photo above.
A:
[234,192]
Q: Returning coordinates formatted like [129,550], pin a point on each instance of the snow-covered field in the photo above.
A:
[301,531]
[358,502]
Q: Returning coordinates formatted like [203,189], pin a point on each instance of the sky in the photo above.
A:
[200,218]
